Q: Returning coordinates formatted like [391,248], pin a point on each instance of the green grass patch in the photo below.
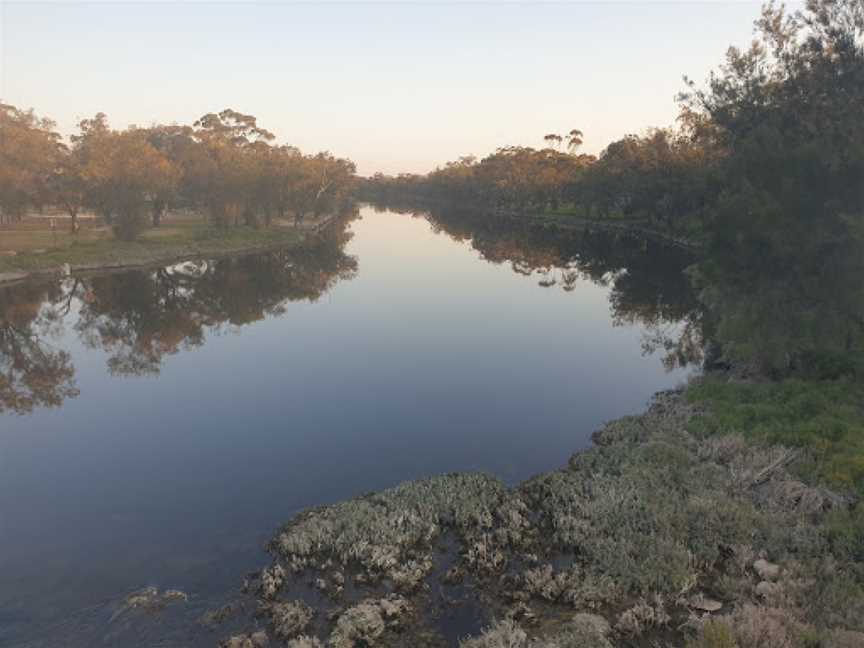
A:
[176,240]
[825,417]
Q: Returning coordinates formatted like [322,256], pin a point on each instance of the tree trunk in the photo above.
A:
[158,211]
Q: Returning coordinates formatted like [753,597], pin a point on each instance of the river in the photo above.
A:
[157,426]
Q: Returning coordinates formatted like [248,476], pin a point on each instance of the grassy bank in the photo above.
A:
[717,519]
[823,420]
[92,250]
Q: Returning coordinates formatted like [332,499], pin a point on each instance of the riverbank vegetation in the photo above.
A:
[224,168]
[93,248]
[666,533]
[823,418]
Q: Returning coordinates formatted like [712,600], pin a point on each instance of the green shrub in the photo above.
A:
[846,533]
[714,634]
[825,418]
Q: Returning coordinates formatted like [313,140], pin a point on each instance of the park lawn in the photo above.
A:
[35,250]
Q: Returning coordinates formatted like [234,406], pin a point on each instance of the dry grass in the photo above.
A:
[35,234]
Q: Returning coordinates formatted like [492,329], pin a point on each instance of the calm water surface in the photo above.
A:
[202,405]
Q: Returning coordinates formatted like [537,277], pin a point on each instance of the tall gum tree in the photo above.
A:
[29,151]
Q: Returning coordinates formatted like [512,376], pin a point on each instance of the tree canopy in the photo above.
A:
[225,166]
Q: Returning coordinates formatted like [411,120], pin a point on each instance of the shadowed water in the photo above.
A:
[157,426]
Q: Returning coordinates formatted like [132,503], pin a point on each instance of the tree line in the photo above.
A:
[659,177]
[764,169]
[224,166]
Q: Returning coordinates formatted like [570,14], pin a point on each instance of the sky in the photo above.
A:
[395,87]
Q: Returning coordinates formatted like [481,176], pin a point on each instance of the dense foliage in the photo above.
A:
[785,247]
[514,179]
[223,166]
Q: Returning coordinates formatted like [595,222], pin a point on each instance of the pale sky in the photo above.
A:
[394,87]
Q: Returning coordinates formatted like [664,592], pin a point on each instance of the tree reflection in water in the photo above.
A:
[647,279]
[33,372]
[139,317]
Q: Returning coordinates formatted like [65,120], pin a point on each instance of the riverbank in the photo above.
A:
[172,244]
[673,530]
[630,226]
[562,220]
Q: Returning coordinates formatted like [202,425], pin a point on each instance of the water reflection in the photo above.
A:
[33,373]
[140,317]
[647,279]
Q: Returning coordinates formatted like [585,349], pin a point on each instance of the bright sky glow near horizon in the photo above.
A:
[394,87]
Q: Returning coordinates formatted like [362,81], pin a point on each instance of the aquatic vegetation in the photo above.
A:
[582,630]
[365,623]
[254,640]
[505,634]
[305,642]
[392,534]
[212,618]
[654,532]
[642,616]
[289,619]
[149,599]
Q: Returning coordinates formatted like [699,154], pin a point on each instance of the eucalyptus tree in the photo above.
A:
[176,143]
[553,140]
[335,181]
[126,172]
[66,186]
[227,138]
[574,140]
[29,151]
[91,137]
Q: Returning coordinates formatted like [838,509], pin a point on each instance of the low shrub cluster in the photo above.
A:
[662,534]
